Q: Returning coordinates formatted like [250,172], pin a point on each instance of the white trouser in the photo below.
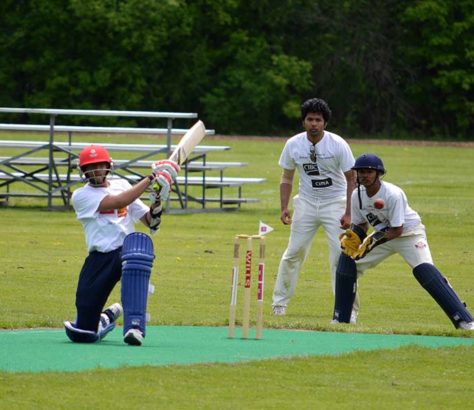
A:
[413,248]
[307,218]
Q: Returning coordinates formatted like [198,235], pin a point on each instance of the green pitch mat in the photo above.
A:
[50,350]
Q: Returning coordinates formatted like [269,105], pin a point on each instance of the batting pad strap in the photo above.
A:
[346,288]
[441,291]
[77,335]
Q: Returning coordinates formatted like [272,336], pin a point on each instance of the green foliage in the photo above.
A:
[256,87]
[246,66]
[100,54]
[442,63]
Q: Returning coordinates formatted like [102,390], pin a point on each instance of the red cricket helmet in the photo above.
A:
[94,154]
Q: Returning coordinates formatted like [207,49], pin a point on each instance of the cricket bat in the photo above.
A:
[188,142]
[186,145]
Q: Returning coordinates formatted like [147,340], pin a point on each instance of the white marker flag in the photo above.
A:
[264,228]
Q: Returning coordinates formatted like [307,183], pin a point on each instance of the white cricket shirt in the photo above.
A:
[105,231]
[395,212]
[323,179]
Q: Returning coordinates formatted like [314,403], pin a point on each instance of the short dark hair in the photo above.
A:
[316,105]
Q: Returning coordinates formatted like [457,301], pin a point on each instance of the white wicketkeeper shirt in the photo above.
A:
[395,212]
[323,179]
[105,231]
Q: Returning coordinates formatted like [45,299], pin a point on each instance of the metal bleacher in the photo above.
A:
[54,174]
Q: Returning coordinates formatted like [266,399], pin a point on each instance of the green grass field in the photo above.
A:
[41,253]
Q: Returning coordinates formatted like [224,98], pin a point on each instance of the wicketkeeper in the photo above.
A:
[108,210]
[397,228]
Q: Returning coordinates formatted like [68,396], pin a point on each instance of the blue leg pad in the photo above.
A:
[346,288]
[441,291]
[137,261]
[77,335]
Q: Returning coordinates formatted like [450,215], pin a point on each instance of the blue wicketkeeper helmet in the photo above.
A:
[369,161]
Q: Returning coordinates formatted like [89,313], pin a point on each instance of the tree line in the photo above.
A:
[393,68]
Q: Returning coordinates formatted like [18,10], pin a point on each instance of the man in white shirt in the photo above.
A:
[397,228]
[108,210]
[324,162]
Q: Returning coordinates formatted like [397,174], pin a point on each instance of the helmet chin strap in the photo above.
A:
[358,194]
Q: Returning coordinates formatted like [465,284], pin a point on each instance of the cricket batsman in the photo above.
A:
[108,209]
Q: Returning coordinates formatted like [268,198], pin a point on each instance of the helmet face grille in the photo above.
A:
[95,177]
[369,161]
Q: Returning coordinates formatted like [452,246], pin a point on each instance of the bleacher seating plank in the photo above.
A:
[77,146]
[192,166]
[52,175]
[191,180]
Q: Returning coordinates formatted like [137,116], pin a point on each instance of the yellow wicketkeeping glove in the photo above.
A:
[350,242]
[373,240]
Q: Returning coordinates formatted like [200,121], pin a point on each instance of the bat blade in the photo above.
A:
[188,142]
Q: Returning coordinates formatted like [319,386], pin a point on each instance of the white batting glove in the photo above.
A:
[162,184]
[171,167]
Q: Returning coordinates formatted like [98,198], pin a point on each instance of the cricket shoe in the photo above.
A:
[279,310]
[113,312]
[108,318]
[466,325]
[352,321]
[353,317]
[133,337]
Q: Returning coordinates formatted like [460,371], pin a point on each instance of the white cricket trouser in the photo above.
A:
[307,218]
[413,248]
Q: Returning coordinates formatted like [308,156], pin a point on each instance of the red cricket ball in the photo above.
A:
[379,203]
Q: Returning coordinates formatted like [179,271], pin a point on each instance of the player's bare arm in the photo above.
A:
[164,173]
[286,186]
[124,198]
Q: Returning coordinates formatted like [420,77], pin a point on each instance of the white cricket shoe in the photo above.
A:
[108,318]
[133,337]
[466,325]
[110,315]
[116,310]
[353,317]
[279,310]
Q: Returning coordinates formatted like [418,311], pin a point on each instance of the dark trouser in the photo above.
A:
[99,274]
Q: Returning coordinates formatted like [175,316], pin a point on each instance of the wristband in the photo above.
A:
[151,178]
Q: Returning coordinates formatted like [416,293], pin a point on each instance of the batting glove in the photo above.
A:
[167,165]
[162,184]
